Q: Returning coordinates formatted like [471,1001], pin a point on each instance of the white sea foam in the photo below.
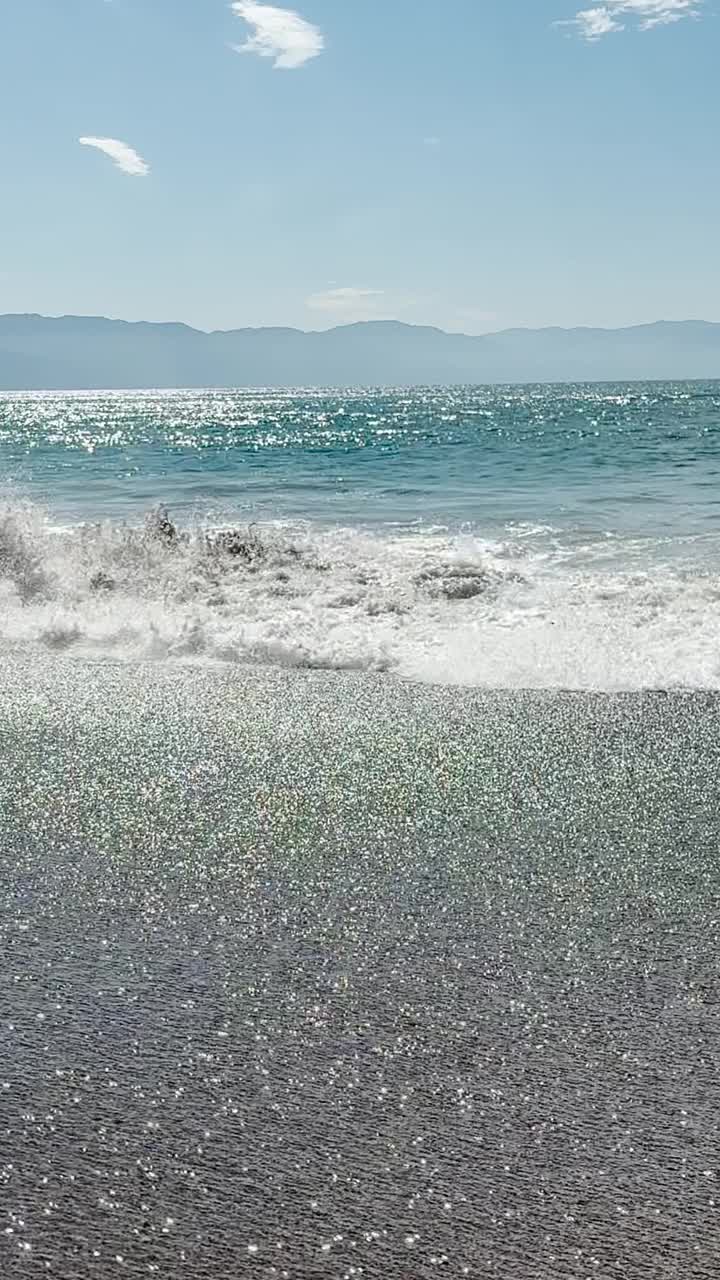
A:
[533,609]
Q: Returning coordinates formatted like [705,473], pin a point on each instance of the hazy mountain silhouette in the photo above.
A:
[78,352]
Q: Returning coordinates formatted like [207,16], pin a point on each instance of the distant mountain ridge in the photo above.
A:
[91,352]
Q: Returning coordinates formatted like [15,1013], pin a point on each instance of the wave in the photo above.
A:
[533,609]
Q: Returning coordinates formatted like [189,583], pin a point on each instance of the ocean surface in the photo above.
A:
[359,835]
[521,537]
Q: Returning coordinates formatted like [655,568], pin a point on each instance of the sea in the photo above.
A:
[360,854]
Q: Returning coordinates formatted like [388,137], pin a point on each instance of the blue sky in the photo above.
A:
[470,164]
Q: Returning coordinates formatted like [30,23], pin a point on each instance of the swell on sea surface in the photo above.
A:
[532,609]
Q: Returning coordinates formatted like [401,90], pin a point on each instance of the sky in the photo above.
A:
[470,164]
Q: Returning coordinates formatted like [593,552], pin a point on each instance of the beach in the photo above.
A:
[359,641]
[333,975]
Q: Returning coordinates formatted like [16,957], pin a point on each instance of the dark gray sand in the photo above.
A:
[313,976]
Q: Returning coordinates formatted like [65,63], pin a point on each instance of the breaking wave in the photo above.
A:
[534,609]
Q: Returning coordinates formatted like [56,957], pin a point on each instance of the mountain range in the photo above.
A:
[89,352]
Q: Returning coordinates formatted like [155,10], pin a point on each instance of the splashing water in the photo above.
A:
[558,537]
[526,611]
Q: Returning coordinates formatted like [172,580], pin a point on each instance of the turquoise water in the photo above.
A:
[539,535]
[640,457]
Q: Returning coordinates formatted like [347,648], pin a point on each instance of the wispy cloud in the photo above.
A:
[279,34]
[616,15]
[349,305]
[594,23]
[346,301]
[121,155]
[352,305]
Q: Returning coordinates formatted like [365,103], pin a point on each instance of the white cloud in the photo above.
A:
[593,23]
[346,300]
[615,15]
[349,305]
[121,155]
[352,305]
[279,34]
